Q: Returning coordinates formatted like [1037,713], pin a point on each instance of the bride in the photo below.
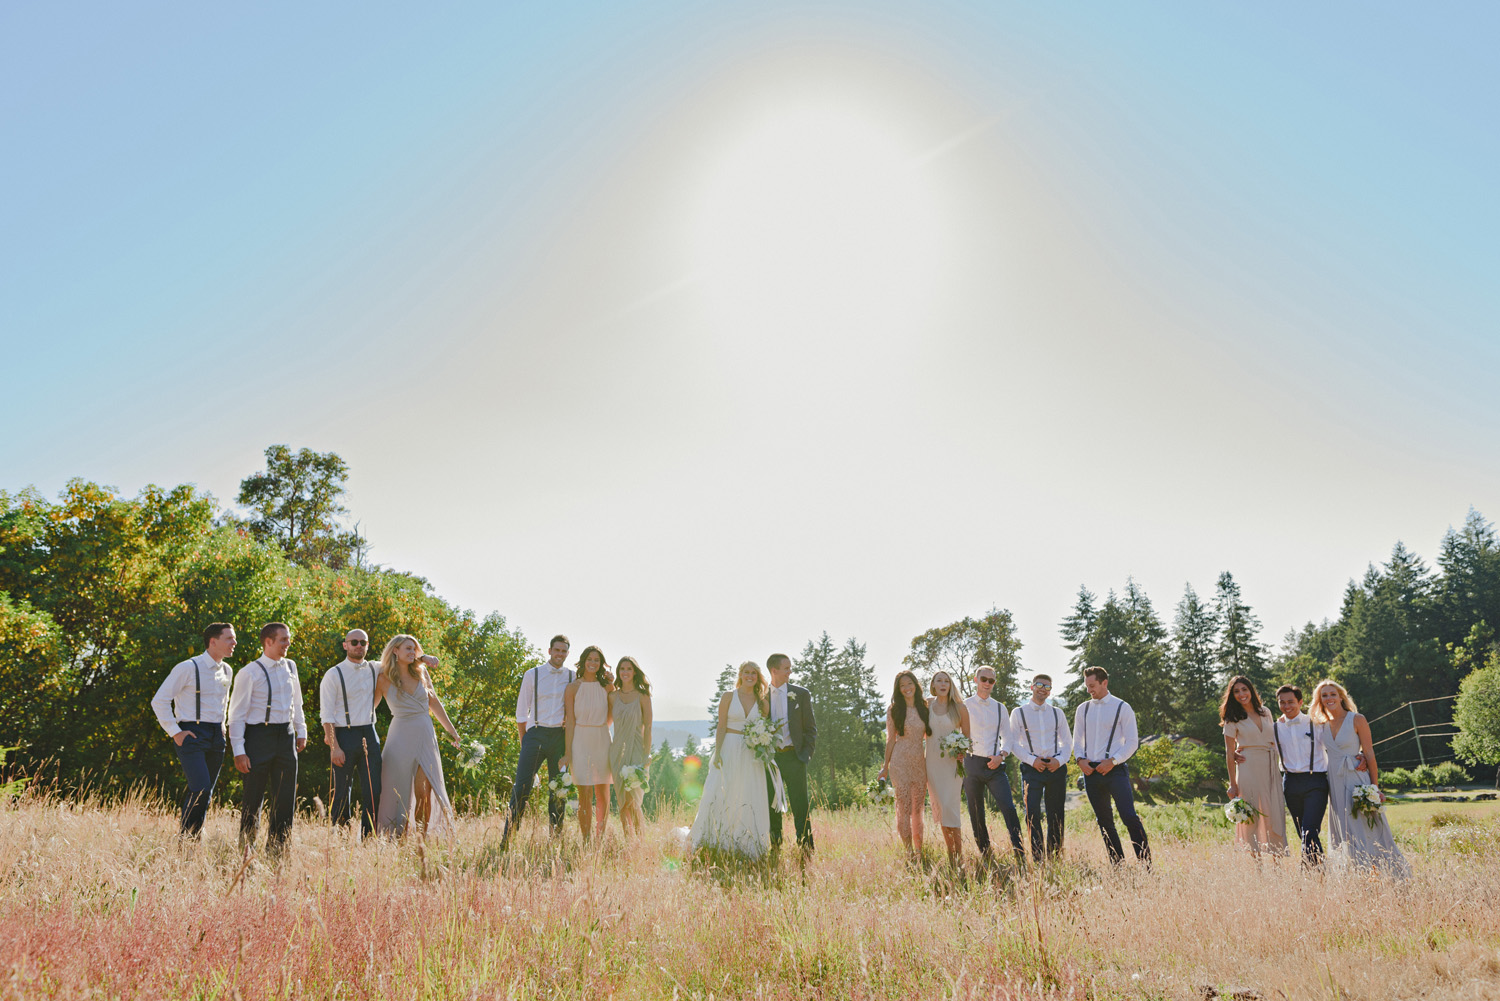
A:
[735,813]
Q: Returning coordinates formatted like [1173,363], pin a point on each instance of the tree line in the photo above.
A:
[101,594]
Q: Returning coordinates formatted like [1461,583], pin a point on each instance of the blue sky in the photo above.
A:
[1201,288]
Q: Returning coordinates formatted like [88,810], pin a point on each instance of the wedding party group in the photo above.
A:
[589,725]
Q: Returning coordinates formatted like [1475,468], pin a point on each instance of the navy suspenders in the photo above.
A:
[536,697]
[1107,740]
[1312,745]
[1056,730]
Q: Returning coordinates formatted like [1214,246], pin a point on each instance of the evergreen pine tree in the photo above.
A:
[725,683]
[1239,650]
[1195,668]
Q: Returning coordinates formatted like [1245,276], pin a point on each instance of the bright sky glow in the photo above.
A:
[693,331]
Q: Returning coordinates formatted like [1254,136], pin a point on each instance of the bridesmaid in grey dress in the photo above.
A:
[411,770]
[630,707]
[1355,841]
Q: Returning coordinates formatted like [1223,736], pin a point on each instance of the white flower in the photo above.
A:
[1240,812]
[473,753]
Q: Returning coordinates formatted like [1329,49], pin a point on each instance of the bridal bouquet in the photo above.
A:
[471,754]
[633,779]
[1240,812]
[762,735]
[1368,800]
[562,787]
[879,792]
[955,746]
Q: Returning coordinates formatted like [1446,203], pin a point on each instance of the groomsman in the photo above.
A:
[792,705]
[1104,738]
[1044,745]
[190,705]
[1304,766]
[539,720]
[984,767]
[346,704]
[267,731]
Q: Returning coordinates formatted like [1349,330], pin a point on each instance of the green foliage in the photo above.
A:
[962,647]
[1239,650]
[1449,773]
[1127,639]
[1397,779]
[850,715]
[1477,715]
[724,683]
[100,595]
[295,505]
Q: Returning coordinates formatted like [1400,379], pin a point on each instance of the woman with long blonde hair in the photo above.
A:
[1360,842]
[735,812]
[945,713]
[630,709]
[412,784]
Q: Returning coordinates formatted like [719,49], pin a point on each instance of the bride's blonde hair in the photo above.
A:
[391,667]
[762,689]
[1317,712]
[952,710]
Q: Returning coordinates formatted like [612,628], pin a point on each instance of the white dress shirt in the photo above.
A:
[541,700]
[199,687]
[1300,745]
[778,711]
[1040,731]
[1091,730]
[253,703]
[353,703]
[989,726]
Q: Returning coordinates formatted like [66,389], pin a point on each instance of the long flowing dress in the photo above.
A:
[735,812]
[410,744]
[908,771]
[628,746]
[943,780]
[590,752]
[1356,843]
[1260,785]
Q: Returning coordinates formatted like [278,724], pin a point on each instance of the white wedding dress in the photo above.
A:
[735,813]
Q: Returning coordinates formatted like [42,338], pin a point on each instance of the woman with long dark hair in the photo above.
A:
[907,727]
[1254,772]
[630,708]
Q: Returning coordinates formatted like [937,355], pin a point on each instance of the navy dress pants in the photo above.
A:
[540,744]
[1049,790]
[359,774]
[1101,790]
[1307,801]
[980,778]
[272,750]
[202,755]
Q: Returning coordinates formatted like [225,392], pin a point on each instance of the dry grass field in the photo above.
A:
[104,902]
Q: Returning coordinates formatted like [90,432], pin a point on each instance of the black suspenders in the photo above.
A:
[1312,745]
[1056,730]
[536,696]
[267,675]
[197,692]
[999,726]
[345,689]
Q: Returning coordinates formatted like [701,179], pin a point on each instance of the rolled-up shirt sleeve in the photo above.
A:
[328,699]
[161,702]
[299,718]
[239,705]
[526,700]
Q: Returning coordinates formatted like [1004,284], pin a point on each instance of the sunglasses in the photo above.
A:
[1040,684]
[985,681]
[358,642]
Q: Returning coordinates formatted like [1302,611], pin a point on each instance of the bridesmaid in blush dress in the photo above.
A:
[906,730]
[586,735]
[412,786]
[946,714]
[1254,772]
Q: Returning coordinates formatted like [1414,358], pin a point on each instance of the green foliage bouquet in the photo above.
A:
[1240,812]
[1368,800]
[633,779]
[955,746]
[879,792]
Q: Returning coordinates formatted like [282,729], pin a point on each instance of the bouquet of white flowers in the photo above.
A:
[1368,799]
[633,779]
[471,754]
[762,735]
[955,746]
[1240,812]
[562,787]
[879,792]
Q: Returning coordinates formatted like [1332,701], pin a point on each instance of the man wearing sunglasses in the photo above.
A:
[984,765]
[1044,745]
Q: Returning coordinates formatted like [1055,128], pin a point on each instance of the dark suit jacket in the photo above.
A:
[804,730]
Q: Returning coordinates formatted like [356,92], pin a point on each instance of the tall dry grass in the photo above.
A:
[106,902]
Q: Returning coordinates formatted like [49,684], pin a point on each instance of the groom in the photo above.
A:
[792,706]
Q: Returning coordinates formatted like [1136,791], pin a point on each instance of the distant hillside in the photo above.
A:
[677,731]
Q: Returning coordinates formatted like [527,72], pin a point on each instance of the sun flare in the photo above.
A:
[816,220]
